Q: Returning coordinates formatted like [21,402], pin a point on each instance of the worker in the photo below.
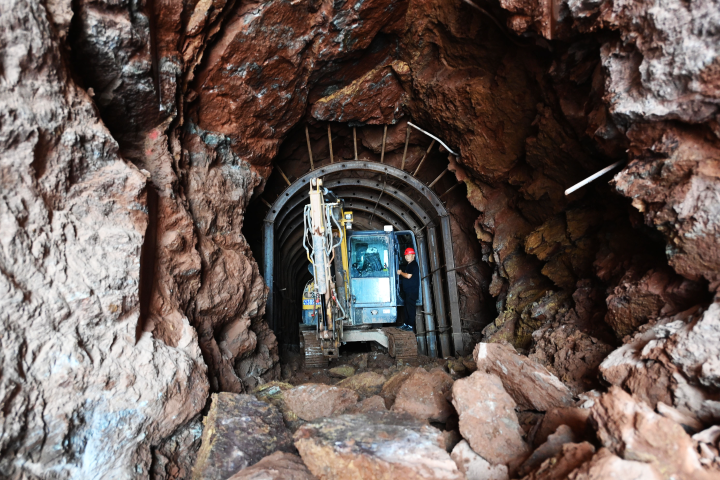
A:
[410,284]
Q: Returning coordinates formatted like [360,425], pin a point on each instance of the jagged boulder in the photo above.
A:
[425,395]
[474,466]
[488,420]
[239,431]
[365,384]
[278,466]
[316,400]
[375,446]
[528,383]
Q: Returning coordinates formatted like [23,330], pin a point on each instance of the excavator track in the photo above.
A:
[314,357]
[401,345]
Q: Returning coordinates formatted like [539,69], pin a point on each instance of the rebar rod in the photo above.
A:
[307,136]
[382,152]
[451,189]
[330,144]
[407,141]
[283,175]
[266,202]
[438,178]
[423,158]
[355,142]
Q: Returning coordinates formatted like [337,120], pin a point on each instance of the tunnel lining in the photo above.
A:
[433,208]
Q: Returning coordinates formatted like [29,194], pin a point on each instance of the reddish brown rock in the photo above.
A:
[606,465]
[374,447]
[571,456]
[371,404]
[376,98]
[631,430]
[314,400]
[278,466]
[365,384]
[426,396]
[575,418]
[391,388]
[238,432]
[529,383]
[488,421]
[550,448]
[474,466]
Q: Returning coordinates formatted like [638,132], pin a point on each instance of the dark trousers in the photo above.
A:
[409,312]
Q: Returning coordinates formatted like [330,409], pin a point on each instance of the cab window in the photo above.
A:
[369,256]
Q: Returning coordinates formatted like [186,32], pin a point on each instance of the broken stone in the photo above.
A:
[570,457]
[391,388]
[343,371]
[474,466]
[371,404]
[551,447]
[528,383]
[239,431]
[364,384]
[631,430]
[278,466]
[575,418]
[274,394]
[375,446]
[316,400]
[425,396]
[488,420]
[605,465]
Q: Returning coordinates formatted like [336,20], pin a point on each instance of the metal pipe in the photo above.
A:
[433,248]
[307,137]
[407,141]
[330,144]
[452,285]
[268,264]
[382,152]
[355,142]
[592,177]
[429,332]
[433,137]
[438,178]
[423,158]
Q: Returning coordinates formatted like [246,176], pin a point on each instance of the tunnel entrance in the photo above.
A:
[402,196]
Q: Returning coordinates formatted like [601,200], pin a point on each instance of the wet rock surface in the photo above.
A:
[374,446]
[238,432]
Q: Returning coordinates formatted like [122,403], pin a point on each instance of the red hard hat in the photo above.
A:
[409,251]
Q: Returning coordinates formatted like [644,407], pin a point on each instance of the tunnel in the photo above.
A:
[378,195]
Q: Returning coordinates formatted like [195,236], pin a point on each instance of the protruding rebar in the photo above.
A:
[283,175]
[407,141]
[307,136]
[382,153]
[330,144]
[451,189]
[592,177]
[438,178]
[266,202]
[355,142]
[433,137]
[423,158]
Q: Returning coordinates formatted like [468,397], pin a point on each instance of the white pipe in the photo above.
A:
[592,177]
[433,136]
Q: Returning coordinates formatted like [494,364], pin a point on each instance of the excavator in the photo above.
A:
[353,295]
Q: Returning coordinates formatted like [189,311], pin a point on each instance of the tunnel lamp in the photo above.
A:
[388,228]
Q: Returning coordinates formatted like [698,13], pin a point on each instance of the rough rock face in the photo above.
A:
[85,391]
[606,465]
[672,361]
[572,456]
[239,431]
[632,431]
[375,446]
[365,384]
[474,466]
[314,400]
[278,466]
[426,396]
[528,383]
[488,421]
